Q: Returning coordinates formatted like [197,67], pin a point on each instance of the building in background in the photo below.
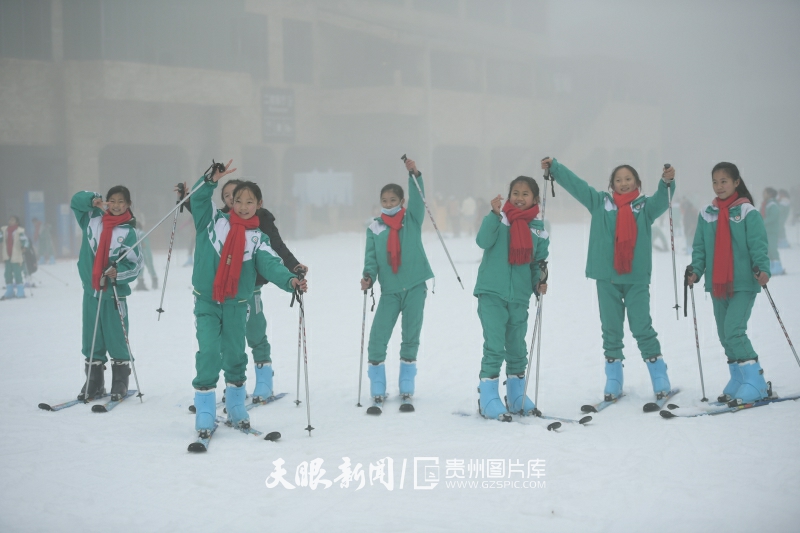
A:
[96,93]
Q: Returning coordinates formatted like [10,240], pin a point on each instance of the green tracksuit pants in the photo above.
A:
[614,299]
[411,303]
[220,336]
[732,316]
[504,327]
[257,329]
[110,337]
[13,272]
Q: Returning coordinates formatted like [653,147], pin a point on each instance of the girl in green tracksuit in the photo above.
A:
[106,235]
[730,241]
[229,251]
[620,259]
[515,246]
[396,259]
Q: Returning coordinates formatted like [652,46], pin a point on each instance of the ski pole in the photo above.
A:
[299,296]
[127,343]
[54,277]
[414,177]
[672,244]
[94,338]
[687,275]
[297,401]
[361,361]
[181,194]
[757,272]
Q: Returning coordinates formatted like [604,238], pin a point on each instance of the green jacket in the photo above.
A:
[600,260]
[212,227]
[512,283]
[749,241]
[414,267]
[123,237]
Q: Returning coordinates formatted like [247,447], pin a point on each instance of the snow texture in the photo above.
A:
[76,470]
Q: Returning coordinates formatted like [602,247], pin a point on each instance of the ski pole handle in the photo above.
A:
[548,177]
[404,158]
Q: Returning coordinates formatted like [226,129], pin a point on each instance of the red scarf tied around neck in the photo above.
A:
[104,245]
[226,282]
[722,276]
[625,233]
[10,238]
[393,243]
[520,246]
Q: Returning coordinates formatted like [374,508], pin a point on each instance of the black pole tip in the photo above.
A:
[704,400]
[297,403]
[358,405]
[667,165]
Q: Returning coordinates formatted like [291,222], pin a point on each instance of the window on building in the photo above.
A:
[25,29]
[298,51]
[455,71]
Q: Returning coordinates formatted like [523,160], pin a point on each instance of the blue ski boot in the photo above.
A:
[515,386]
[263,388]
[9,292]
[658,376]
[614,379]
[20,290]
[489,404]
[733,384]
[753,387]
[377,387]
[205,404]
[408,369]
[234,404]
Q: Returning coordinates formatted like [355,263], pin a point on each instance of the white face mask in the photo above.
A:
[391,212]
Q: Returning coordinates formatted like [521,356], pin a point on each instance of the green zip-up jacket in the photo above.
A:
[748,239]
[212,227]
[512,283]
[123,237]
[600,260]
[414,267]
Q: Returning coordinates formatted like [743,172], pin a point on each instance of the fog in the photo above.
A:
[317,100]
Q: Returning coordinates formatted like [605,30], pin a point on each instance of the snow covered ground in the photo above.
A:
[75,470]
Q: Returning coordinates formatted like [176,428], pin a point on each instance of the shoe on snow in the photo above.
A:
[263,388]
[614,379]
[658,376]
[489,404]
[235,395]
[120,372]
[96,381]
[733,383]
[205,404]
[754,386]
[515,386]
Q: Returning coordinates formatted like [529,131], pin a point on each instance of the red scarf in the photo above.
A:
[393,243]
[226,282]
[625,233]
[722,276]
[10,238]
[104,244]
[520,245]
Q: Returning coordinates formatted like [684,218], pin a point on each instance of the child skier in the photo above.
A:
[229,251]
[772,216]
[256,322]
[620,260]
[729,241]
[396,259]
[107,234]
[12,242]
[514,244]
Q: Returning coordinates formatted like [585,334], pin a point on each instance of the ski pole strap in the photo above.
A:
[372,295]
[214,168]
[296,293]
[547,177]
[181,195]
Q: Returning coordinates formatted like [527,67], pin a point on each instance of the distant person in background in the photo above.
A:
[43,241]
[771,212]
[12,241]
[468,210]
[454,215]
[147,252]
[785,203]
[689,216]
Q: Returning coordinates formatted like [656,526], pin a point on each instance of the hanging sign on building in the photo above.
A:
[277,115]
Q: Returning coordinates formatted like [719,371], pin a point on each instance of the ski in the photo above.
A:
[657,405]
[689,413]
[273,435]
[406,406]
[253,405]
[60,406]
[109,405]
[508,418]
[582,421]
[202,442]
[596,408]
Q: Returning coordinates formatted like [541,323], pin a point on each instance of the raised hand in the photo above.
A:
[497,204]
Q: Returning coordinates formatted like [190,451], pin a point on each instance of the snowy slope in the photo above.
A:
[627,471]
